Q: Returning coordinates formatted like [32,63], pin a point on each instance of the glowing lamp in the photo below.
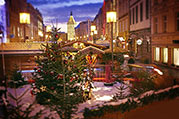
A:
[48,29]
[111,16]
[2,2]
[40,33]
[93,28]
[95,32]
[139,42]
[121,39]
[24,18]
[1,34]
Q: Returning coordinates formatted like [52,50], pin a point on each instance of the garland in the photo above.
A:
[132,103]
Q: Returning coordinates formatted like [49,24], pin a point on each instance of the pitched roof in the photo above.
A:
[71,20]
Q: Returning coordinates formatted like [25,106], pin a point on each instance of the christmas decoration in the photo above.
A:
[54,77]
[16,78]
[15,106]
[43,88]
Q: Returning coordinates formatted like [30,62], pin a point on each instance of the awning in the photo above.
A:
[91,49]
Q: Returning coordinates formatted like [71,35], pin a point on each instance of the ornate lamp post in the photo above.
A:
[93,32]
[24,19]
[111,18]
[3,62]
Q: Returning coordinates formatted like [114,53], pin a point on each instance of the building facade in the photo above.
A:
[165,34]
[140,29]
[22,32]
[82,31]
[71,27]
[122,23]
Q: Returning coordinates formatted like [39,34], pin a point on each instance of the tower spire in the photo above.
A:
[71,13]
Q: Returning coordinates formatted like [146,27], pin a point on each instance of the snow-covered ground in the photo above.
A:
[100,95]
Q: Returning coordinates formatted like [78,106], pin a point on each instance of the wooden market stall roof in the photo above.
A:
[91,49]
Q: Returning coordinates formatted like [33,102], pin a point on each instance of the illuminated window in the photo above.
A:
[165,55]
[157,54]
[18,32]
[176,56]
[14,30]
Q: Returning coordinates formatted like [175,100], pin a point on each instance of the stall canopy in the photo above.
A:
[91,49]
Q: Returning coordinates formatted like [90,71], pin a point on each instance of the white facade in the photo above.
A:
[71,28]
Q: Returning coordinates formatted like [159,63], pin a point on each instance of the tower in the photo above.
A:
[71,27]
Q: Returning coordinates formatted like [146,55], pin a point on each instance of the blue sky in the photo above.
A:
[59,10]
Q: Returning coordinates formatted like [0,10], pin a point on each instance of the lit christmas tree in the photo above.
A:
[58,78]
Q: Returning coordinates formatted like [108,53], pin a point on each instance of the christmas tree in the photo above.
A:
[58,78]
[16,78]
[16,108]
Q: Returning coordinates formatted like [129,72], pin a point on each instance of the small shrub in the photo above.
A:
[144,83]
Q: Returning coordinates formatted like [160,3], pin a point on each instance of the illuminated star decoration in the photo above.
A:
[43,88]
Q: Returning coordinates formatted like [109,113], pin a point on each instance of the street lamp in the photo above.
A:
[24,19]
[93,32]
[139,42]
[3,62]
[111,18]
[2,2]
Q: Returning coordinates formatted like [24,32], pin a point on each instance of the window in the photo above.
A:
[141,11]
[123,23]
[18,32]
[147,9]
[133,14]
[165,55]
[14,31]
[148,50]
[155,25]
[120,27]
[164,23]
[136,14]
[176,56]
[126,24]
[130,17]
[155,2]
[177,21]
[157,54]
